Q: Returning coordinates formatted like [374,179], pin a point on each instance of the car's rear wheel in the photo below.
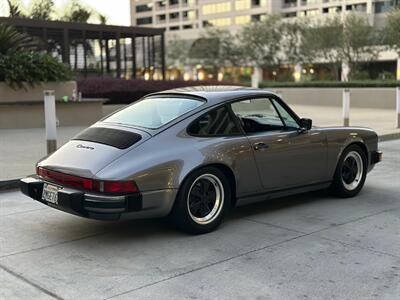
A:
[202,201]
[351,172]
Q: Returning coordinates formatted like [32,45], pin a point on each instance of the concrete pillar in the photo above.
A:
[50,121]
[163,63]
[346,107]
[118,53]
[369,7]
[256,77]
[345,72]
[65,47]
[133,46]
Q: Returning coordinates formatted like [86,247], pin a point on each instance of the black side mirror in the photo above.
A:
[306,124]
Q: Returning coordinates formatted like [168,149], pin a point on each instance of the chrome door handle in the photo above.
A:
[259,146]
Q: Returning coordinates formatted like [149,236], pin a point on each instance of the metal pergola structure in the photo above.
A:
[140,49]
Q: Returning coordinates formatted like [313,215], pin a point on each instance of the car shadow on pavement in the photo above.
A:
[276,204]
[145,228]
[120,232]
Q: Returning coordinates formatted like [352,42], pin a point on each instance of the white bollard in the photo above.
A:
[50,121]
[346,107]
[398,106]
[255,77]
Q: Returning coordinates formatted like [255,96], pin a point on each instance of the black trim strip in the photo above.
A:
[288,190]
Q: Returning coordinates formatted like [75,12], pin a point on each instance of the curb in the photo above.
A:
[9,185]
[389,137]
[14,183]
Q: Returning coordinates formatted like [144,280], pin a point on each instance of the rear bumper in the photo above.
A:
[103,207]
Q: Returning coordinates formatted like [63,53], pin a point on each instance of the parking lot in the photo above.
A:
[312,246]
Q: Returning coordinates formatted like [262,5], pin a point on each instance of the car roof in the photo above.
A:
[216,94]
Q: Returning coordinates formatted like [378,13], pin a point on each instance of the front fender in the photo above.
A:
[340,138]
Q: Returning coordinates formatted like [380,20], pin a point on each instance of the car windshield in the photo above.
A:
[154,112]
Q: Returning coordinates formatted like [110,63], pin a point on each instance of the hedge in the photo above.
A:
[121,91]
[332,84]
[20,68]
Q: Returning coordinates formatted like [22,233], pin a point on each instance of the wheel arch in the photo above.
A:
[222,167]
[363,147]
[359,143]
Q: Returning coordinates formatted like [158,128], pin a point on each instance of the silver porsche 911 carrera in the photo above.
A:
[191,154]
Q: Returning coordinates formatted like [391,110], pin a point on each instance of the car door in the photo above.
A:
[285,155]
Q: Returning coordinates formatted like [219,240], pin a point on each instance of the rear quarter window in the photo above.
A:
[217,122]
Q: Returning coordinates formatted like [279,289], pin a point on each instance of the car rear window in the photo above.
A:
[154,112]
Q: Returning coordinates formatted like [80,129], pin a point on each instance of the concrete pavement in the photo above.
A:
[311,246]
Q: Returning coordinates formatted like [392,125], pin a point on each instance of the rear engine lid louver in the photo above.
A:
[108,136]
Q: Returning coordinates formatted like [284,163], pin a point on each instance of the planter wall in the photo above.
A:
[35,94]
[25,108]
[31,115]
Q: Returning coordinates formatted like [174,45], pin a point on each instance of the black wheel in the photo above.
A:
[350,173]
[202,201]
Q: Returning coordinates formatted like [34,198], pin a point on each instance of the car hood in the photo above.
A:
[93,149]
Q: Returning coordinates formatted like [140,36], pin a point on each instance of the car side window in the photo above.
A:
[257,115]
[289,121]
[217,122]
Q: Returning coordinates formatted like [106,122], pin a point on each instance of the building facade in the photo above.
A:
[187,18]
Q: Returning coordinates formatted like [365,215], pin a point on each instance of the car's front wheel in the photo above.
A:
[351,172]
[202,201]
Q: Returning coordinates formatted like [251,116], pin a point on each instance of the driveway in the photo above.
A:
[312,246]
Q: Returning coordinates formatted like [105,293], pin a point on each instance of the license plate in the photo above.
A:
[50,193]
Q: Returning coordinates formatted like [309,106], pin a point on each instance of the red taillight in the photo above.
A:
[65,179]
[112,187]
[120,187]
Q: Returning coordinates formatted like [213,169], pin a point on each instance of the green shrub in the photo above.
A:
[20,68]
[332,84]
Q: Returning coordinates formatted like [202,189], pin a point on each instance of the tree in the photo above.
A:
[178,52]
[102,19]
[291,41]
[228,50]
[13,41]
[321,42]
[14,7]
[352,41]
[360,42]
[41,9]
[76,12]
[261,42]
[217,48]
[392,29]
